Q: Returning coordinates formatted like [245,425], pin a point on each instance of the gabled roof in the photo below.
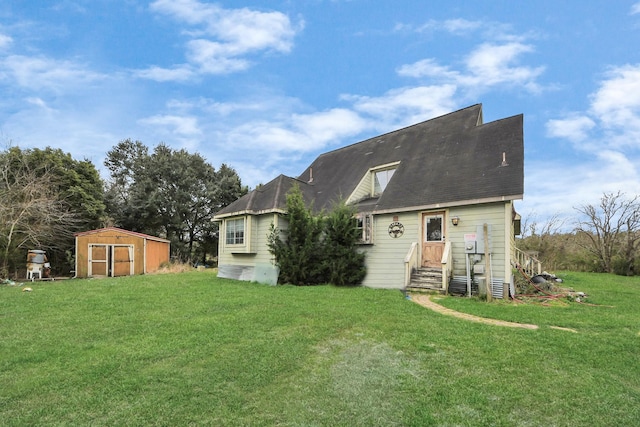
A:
[449,160]
[270,197]
[122,231]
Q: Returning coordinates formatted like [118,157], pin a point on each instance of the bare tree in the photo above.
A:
[612,228]
[531,226]
[544,238]
[31,212]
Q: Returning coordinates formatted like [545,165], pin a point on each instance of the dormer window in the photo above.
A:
[380,180]
[373,182]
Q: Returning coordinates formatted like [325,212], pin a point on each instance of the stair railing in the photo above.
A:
[410,263]
[447,264]
[529,264]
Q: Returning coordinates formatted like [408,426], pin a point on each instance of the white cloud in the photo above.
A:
[405,106]
[557,186]
[37,101]
[612,120]
[85,131]
[457,26]
[180,73]
[488,66]
[427,68]
[41,73]
[493,64]
[574,128]
[617,104]
[607,140]
[622,167]
[299,132]
[222,38]
[329,126]
[5,41]
[184,126]
[635,9]
[462,27]
[278,135]
[215,58]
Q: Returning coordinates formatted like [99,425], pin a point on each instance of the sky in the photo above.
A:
[267,86]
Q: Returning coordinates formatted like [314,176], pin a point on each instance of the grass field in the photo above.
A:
[192,349]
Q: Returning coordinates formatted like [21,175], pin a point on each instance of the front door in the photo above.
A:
[433,238]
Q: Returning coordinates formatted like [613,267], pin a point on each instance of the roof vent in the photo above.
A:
[504,160]
[310,175]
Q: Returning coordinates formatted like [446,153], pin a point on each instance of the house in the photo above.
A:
[434,200]
[111,252]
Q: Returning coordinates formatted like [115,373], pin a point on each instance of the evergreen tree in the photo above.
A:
[45,196]
[344,264]
[169,193]
[298,253]
[316,249]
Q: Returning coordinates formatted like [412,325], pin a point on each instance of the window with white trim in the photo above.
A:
[365,228]
[235,231]
[380,180]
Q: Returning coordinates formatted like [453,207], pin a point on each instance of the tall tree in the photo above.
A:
[171,193]
[77,182]
[127,163]
[45,196]
[612,229]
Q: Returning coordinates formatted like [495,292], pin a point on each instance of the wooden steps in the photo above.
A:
[426,280]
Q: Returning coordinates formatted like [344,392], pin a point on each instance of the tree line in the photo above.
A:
[604,237]
[46,196]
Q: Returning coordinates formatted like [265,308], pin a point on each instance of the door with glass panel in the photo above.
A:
[433,239]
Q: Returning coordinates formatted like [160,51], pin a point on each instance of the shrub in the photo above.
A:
[343,262]
[622,266]
[298,252]
[316,249]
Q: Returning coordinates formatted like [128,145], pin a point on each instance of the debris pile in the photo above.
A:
[543,287]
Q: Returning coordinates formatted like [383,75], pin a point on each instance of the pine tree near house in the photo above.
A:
[343,263]
[317,249]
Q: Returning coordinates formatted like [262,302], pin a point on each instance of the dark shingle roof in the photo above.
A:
[266,198]
[445,160]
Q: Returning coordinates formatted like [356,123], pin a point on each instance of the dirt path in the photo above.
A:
[425,301]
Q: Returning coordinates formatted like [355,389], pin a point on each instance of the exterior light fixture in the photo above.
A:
[455,220]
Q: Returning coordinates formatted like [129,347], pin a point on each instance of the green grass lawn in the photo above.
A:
[192,349]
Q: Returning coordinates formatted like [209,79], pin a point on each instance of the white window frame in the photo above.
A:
[437,235]
[365,227]
[235,240]
[388,168]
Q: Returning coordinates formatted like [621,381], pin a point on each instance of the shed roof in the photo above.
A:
[120,230]
[452,159]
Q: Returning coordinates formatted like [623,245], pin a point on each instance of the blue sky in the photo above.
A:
[266,86]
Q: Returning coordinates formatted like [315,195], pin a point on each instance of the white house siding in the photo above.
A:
[253,262]
[262,228]
[498,216]
[363,190]
[385,257]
